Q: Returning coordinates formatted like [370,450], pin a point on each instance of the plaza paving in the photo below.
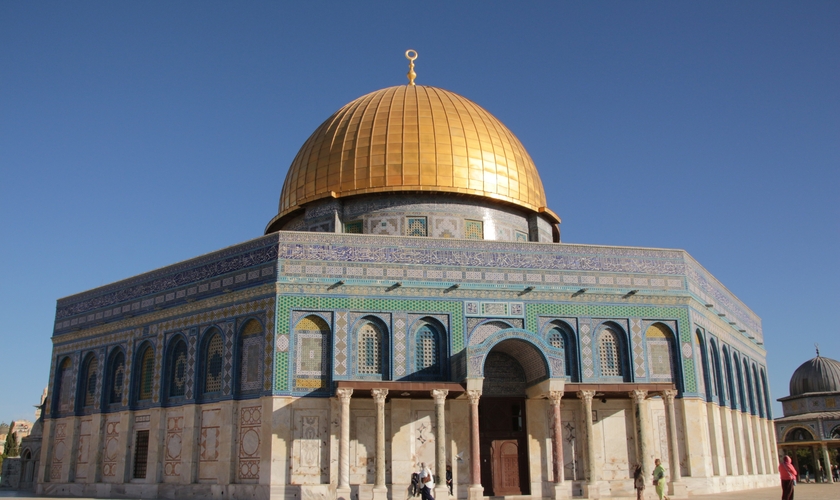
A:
[803,492]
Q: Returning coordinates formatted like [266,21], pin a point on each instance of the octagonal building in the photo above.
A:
[410,302]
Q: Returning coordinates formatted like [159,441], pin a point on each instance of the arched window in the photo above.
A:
[251,357]
[756,385]
[312,368]
[730,380]
[213,360]
[718,373]
[88,394]
[749,383]
[370,350]
[835,432]
[766,394]
[609,353]
[702,362]
[561,337]
[64,387]
[116,378]
[427,351]
[177,368]
[798,434]
[146,374]
[740,381]
[660,351]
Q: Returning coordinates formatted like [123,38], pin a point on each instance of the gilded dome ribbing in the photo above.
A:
[412,138]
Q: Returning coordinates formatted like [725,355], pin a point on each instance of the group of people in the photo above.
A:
[658,480]
[423,482]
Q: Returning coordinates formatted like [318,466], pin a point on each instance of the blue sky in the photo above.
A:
[134,135]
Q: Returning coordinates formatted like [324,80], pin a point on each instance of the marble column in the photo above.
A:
[476,490]
[557,442]
[343,490]
[673,444]
[380,491]
[592,464]
[439,395]
[640,413]
[826,462]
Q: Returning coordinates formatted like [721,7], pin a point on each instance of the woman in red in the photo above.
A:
[788,474]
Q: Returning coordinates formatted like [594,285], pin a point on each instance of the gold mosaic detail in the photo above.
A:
[412,138]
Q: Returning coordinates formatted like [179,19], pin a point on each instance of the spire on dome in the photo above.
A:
[411,55]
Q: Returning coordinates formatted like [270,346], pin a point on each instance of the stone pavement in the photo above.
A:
[803,492]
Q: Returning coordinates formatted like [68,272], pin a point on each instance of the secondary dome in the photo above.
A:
[816,375]
[412,139]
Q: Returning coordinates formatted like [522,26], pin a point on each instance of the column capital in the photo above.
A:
[440,395]
[344,395]
[474,396]
[586,396]
[638,395]
[668,395]
[555,397]
[379,395]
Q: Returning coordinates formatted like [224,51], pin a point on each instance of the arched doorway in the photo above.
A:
[510,368]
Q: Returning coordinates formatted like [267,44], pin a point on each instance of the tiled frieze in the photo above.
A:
[233,267]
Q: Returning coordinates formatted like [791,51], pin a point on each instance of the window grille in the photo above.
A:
[141,454]
[178,376]
[213,365]
[147,372]
[354,227]
[65,386]
[555,338]
[608,353]
[90,381]
[370,355]
[251,357]
[415,226]
[117,378]
[426,349]
[474,230]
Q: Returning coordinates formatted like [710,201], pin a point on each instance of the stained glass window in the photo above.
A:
[147,374]
[474,230]
[354,227]
[89,392]
[370,355]
[213,364]
[415,226]
[251,357]
[609,354]
[116,378]
[178,369]
[555,338]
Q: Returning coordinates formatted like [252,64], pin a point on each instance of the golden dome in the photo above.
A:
[412,138]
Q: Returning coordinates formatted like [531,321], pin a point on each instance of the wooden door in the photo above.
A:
[505,453]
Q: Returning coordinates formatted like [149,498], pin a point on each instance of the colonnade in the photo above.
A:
[380,489]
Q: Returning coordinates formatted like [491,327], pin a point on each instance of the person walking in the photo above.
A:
[427,482]
[659,479]
[449,478]
[638,481]
[788,475]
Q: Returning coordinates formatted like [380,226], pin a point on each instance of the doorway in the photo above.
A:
[503,433]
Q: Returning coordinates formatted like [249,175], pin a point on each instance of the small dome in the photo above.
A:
[816,375]
[412,139]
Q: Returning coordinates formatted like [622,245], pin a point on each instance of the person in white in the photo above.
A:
[427,481]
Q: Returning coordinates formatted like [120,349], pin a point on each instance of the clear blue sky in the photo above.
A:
[134,135]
